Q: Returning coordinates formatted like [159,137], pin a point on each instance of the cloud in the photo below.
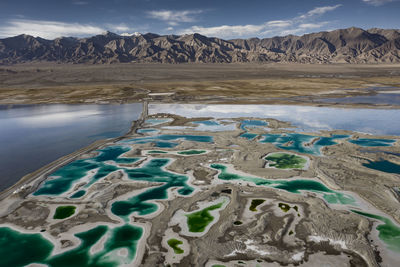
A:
[225,30]
[377,2]
[319,11]
[47,29]
[296,25]
[173,18]
[122,27]
[279,23]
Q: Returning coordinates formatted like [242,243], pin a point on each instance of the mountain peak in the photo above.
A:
[351,45]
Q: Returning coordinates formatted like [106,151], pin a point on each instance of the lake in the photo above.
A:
[32,136]
[305,118]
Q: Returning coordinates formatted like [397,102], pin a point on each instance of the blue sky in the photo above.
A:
[221,18]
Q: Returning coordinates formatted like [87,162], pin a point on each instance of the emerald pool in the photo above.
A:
[20,249]
[286,161]
[191,152]
[174,244]
[389,233]
[63,212]
[71,173]
[384,166]
[293,186]
[151,172]
[199,220]
[255,203]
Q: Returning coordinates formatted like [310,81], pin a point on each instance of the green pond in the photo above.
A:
[293,186]
[157,152]
[151,172]
[192,152]
[286,161]
[389,232]
[199,220]
[20,249]
[63,212]
[78,194]
[174,244]
[384,166]
[255,203]
[284,207]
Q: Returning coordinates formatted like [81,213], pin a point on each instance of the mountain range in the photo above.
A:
[351,45]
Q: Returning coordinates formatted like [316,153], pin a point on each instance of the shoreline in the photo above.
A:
[222,142]
[44,171]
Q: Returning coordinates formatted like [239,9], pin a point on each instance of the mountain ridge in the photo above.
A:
[351,45]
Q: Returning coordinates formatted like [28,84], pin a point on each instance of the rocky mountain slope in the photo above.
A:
[352,45]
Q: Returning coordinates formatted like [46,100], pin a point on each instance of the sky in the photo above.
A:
[226,19]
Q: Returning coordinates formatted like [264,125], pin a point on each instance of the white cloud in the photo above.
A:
[47,29]
[297,25]
[377,2]
[279,23]
[122,27]
[225,30]
[312,25]
[173,18]
[319,11]
[126,34]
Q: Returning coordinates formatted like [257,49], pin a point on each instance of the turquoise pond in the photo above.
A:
[373,142]
[246,124]
[384,166]
[296,142]
[21,249]
[147,130]
[71,173]
[163,141]
[207,122]
[293,186]
[151,172]
[249,136]
[66,176]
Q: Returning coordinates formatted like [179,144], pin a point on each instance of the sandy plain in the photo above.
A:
[214,83]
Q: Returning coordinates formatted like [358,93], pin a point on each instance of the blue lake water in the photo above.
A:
[380,99]
[305,118]
[33,136]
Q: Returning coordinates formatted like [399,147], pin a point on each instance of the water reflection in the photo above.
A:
[32,136]
[306,118]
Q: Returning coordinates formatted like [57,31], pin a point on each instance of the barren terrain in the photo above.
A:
[218,83]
